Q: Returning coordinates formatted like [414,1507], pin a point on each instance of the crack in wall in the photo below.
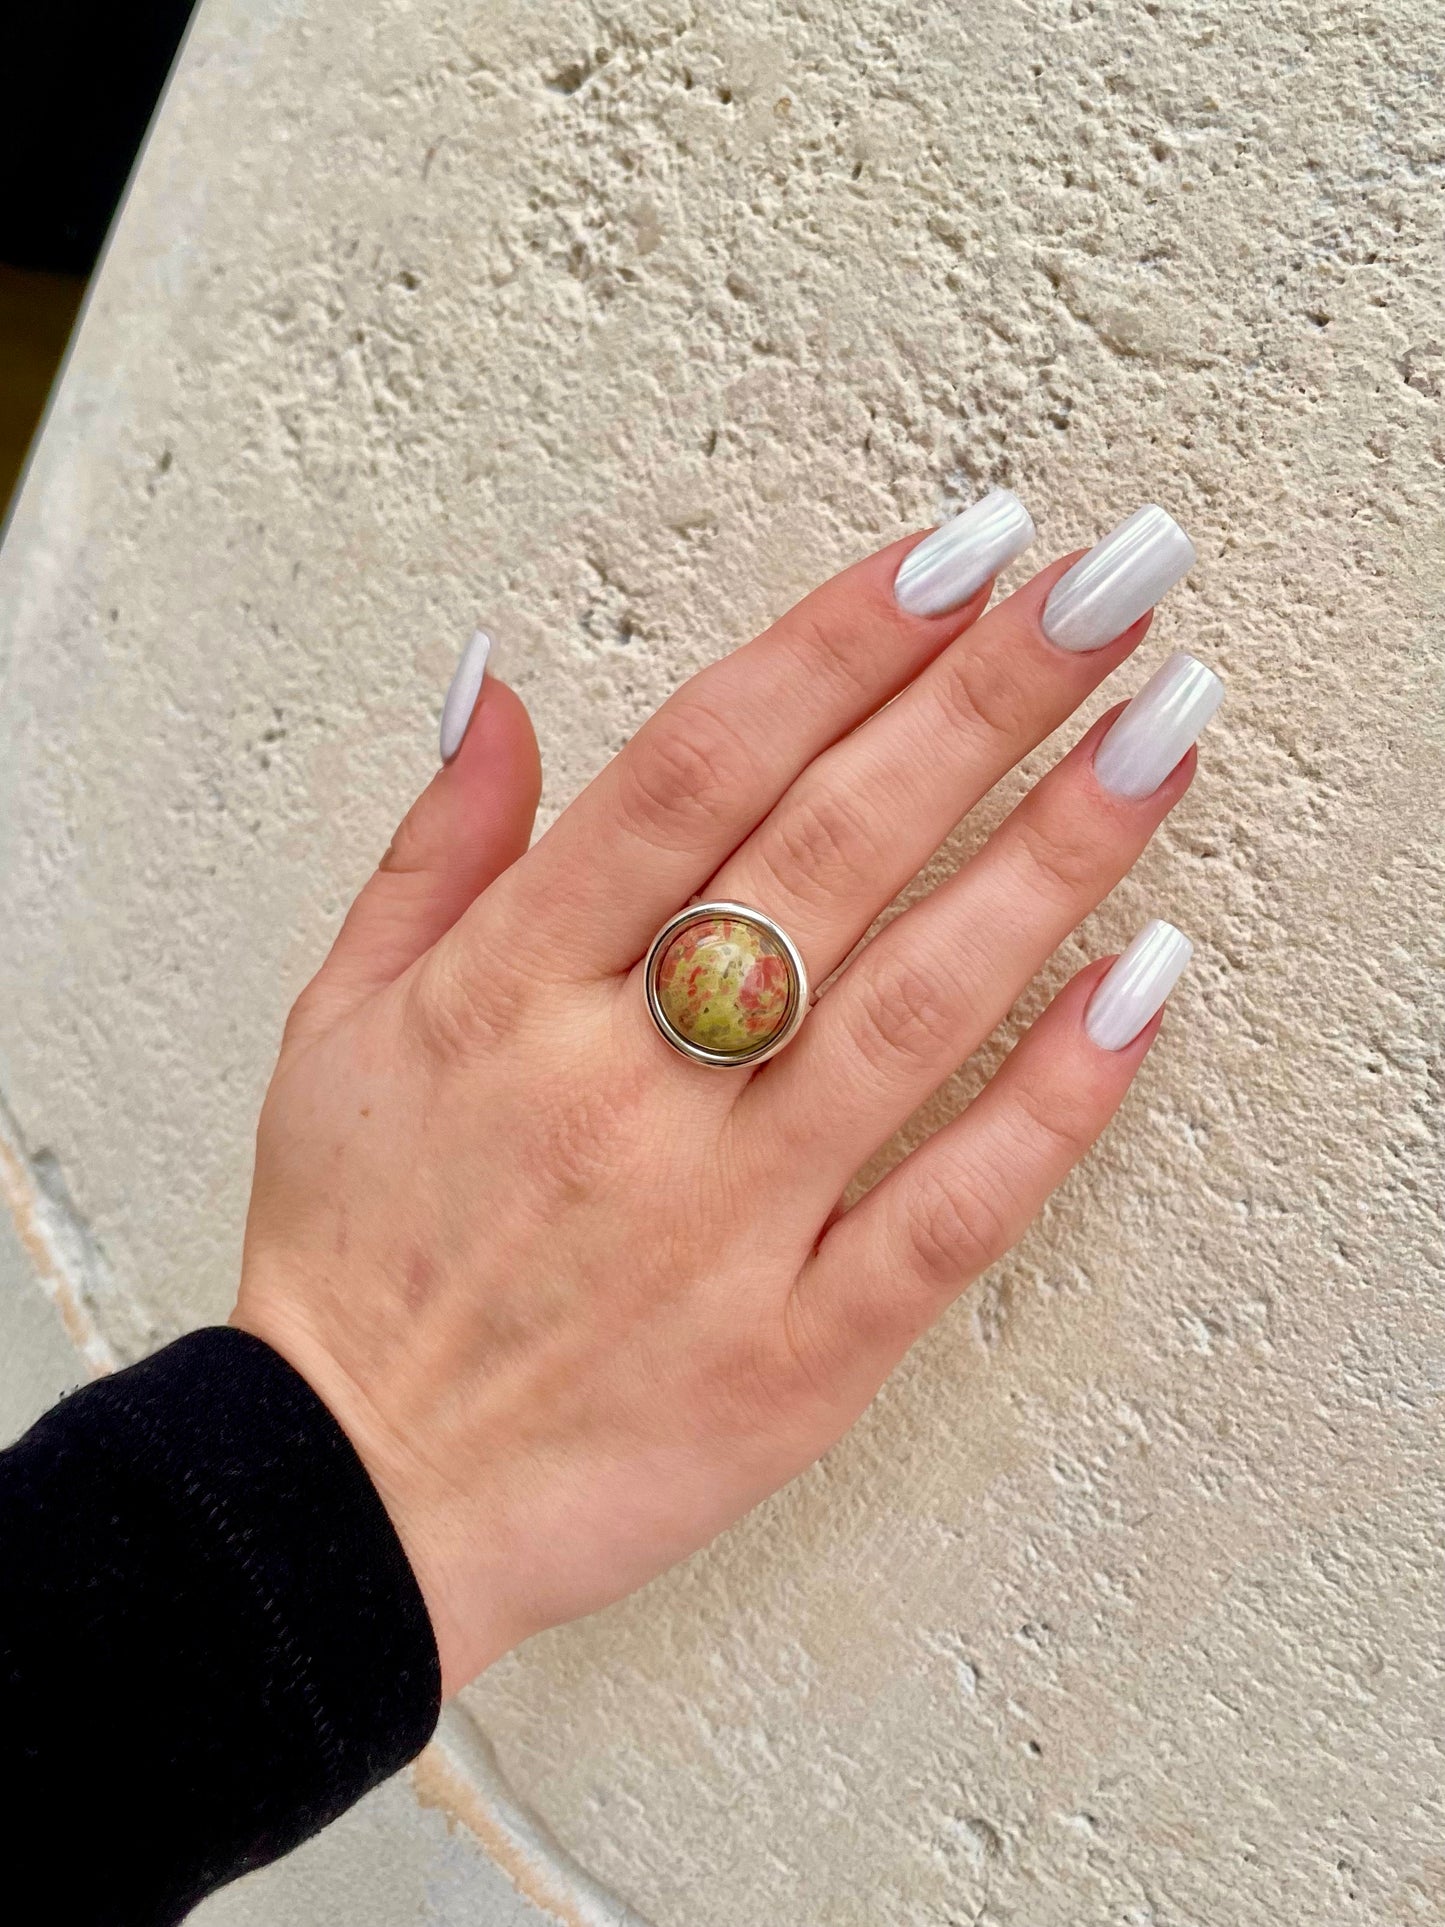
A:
[69,1267]
[458,1774]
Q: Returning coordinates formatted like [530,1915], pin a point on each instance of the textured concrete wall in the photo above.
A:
[616,326]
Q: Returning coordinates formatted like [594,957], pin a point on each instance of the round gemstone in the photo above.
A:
[725,984]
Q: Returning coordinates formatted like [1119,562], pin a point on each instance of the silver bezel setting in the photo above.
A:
[798,986]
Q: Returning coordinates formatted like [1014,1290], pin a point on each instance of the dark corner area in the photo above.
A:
[79,85]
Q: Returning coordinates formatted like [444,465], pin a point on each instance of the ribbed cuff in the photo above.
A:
[200,1580]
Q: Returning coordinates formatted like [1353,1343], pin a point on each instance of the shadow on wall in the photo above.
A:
[80,85]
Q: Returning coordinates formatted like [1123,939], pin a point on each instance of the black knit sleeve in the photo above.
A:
[211,1642]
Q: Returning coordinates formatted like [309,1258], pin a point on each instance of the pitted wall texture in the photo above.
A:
[617,327]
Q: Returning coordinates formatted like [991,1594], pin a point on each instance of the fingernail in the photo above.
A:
[462,696]
[1137,985]
[1164,718]
[1119,580]
[953,563]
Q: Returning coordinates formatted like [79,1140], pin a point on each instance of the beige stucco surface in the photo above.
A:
[616,326]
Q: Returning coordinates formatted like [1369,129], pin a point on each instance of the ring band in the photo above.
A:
[725,984]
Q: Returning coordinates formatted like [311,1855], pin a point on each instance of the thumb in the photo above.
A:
[469,824]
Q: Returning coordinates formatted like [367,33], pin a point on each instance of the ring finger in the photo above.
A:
[932,986]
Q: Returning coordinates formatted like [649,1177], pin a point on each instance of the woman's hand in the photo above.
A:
[580,1303]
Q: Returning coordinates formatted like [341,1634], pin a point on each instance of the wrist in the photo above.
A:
[469,1623]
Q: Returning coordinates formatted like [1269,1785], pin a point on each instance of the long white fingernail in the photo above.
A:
[1136,986]
[466,686]
[954,562]
[1153,733]
[1119,580]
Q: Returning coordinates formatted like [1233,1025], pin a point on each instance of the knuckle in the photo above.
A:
[980,696]
[1060,853]
[823,1334]
[808,1354]
[833,652]
[954,1233]
[592,1139]
[462,1005]
[690,768]
[1061,1122]
[406,851]
[748,1375]
[306,1014]
[901,1020]
[821,840]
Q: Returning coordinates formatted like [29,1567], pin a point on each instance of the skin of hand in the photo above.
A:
[578,1302]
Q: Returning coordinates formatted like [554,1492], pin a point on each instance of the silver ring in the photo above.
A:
[725,984]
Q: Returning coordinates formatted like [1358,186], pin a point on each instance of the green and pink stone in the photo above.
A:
[725,985]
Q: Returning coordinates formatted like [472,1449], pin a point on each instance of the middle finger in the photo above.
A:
[865,816]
